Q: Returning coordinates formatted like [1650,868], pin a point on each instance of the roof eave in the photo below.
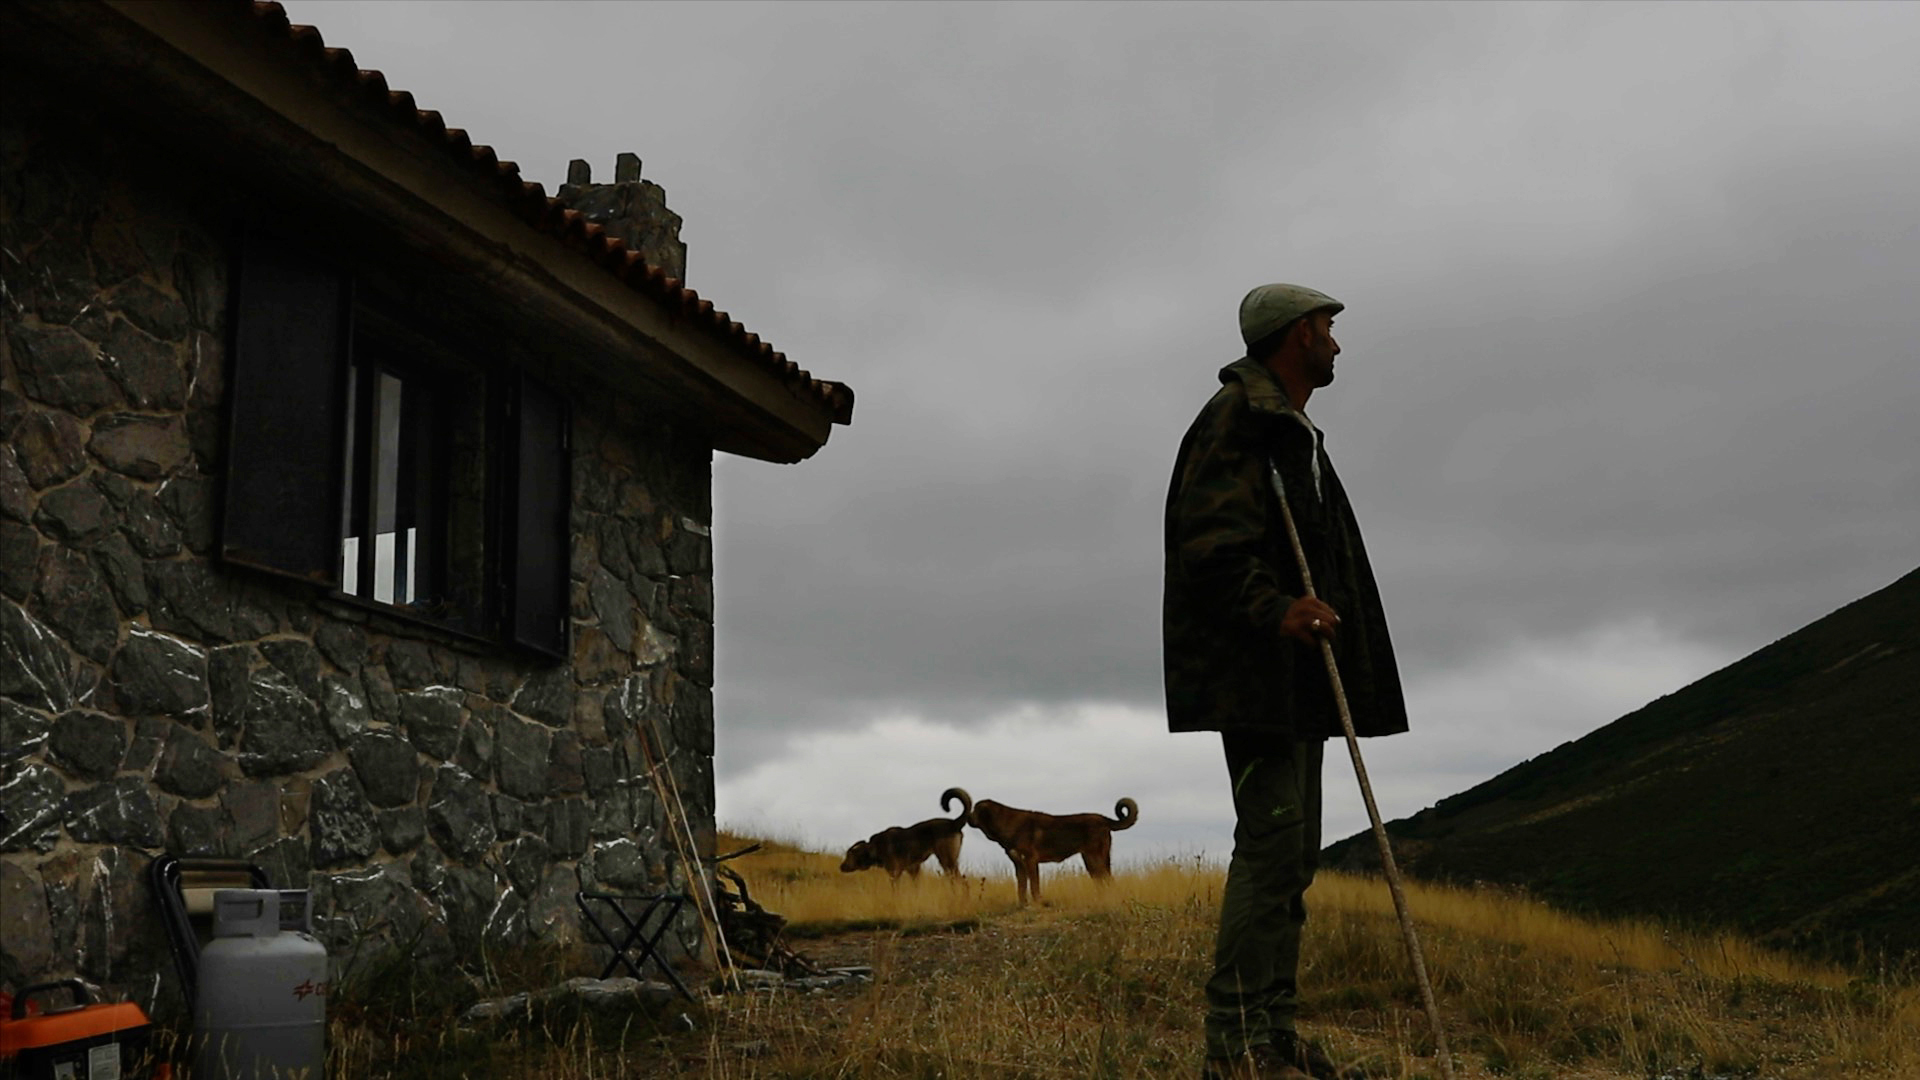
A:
[644,335]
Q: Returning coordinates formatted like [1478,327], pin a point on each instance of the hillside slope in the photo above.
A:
[1779,796]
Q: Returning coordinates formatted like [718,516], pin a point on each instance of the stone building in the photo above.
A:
[354,504]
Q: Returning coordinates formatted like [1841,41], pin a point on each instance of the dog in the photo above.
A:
[902,850]
[1031,838]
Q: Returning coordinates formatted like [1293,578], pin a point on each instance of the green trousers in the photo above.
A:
[1254,990]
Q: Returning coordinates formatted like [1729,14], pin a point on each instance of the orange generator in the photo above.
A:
[83,1041]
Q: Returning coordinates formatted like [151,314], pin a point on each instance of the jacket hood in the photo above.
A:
[1264,392]
[1266,397]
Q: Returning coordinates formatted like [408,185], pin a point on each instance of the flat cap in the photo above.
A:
[1270,307]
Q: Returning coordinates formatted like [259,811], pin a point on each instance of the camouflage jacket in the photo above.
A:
[1231,574]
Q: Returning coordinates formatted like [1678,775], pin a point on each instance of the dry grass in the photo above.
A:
[817,899]
[1103,983]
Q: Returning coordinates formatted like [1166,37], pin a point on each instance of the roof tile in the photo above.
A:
[530,202]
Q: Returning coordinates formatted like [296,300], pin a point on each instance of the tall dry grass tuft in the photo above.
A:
[1513,918]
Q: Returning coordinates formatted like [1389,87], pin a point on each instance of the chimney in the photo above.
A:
[630,208]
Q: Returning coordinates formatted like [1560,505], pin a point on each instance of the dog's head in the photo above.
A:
[859,857]
[988,816]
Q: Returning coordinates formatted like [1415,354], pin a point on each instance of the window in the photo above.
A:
[388,465]
[397,499]
[414,522]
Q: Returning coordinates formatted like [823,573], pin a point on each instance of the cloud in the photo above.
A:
[830,787]
[1064,760]
[1629,353]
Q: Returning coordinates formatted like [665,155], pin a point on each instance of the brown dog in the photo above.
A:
[1031,838]
[904,849]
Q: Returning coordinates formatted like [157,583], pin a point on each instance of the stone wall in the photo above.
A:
[432,791]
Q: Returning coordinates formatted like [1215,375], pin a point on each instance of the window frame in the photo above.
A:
[305,331]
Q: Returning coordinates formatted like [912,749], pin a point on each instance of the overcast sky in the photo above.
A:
[1628,385]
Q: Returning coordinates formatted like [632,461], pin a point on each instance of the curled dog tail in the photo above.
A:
[965,816]
[1128,812]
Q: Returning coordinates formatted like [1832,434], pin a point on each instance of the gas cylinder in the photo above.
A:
[261,1012]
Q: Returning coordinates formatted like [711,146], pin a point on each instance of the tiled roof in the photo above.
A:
[530,202]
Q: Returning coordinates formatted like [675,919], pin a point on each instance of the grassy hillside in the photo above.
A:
[1104,984]
[1779,796]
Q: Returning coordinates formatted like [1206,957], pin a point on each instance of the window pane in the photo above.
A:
[383,568]
[350,565]
[387,452]
[351,492]
[410,585]
[417,529]
[386,485]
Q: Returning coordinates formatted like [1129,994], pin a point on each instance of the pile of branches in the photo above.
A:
[752,933]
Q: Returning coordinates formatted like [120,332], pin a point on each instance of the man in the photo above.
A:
[1242,654]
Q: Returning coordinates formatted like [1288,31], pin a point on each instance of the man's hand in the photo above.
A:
[1309,619]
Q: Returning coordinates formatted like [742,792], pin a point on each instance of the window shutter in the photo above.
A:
[286,421]
[538,604]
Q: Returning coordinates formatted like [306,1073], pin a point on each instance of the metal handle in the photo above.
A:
[81,995]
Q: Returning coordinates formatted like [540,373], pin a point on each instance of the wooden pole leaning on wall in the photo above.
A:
[1407,933]
[680,835]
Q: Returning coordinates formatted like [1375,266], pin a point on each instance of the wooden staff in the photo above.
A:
[680,834]
[1407,932]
